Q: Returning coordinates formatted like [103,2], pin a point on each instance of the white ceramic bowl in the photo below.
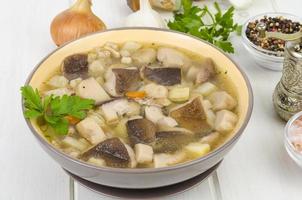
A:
[265,58]
[149,177]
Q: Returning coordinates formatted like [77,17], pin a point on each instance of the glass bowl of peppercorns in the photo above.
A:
[269,52]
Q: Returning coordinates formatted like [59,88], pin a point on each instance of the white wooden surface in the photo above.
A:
[257,168]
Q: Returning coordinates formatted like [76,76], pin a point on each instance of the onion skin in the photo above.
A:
[74,23]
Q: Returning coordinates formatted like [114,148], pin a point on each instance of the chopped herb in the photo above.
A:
[190,20]
[53,110]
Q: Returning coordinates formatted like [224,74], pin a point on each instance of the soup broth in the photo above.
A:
[155,105]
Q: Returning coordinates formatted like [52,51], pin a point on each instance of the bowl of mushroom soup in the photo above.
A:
[163,106]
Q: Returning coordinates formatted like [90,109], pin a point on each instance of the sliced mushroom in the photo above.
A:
[171,141]
[222,100]
[91,89]
[115,108]
[153,113]
[211,138]
[201,72]
[144,56]
[121,80]
[191,115]
[141,131]
[207,71]
[143,153]
[172,58]
[112,150]
[90,130]
[166,76]
[225,121]
[75,66]
[133,161]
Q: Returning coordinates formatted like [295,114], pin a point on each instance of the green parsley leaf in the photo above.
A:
[53,110]
[190,20]
[32,98]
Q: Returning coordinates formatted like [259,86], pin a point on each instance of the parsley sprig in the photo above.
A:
[191,20]
[53,110]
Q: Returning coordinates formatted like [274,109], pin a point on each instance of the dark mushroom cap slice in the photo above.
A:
[112,150]
[126,79]
[171,141]
[75,66]
[166,76]
[191,115]
[141,131]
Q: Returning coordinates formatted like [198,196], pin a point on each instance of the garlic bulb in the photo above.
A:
[146,17]
[74,22]
[168,5]
[241,4]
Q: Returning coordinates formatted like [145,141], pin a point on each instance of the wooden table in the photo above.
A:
[257,168]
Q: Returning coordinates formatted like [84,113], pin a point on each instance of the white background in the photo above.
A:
[257,168]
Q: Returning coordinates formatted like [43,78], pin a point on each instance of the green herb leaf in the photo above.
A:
[31,98]
[61,127]
[53,110]
[190,20]
[225,45]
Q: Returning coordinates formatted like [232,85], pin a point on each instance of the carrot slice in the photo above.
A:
[136,94]
[72,120]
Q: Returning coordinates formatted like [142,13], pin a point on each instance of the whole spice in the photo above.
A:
[273,24]
[192,20]
[75,22]
[146,17]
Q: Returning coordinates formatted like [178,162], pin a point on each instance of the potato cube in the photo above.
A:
[196,149]
[179,94]
[156,91]
[206,88]
[165,159]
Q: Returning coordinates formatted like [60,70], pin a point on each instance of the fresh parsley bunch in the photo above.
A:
[54,111]
[190,20]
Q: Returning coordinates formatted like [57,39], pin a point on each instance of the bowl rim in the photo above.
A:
[141,170]
[259,50]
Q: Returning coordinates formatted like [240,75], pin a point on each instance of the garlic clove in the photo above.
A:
[75,22]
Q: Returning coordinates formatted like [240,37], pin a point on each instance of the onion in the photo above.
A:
[75,22]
